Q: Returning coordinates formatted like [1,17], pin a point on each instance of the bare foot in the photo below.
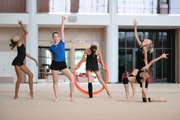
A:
[110,96]
[71,98]
[133,96]
[128,98]
[31,95]
[56,100]
[163,100]
[15,98]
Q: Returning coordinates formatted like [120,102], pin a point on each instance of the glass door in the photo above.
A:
[125,61]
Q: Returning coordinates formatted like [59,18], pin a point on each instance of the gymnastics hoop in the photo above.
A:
[84,91]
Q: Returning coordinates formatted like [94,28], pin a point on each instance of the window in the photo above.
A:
[44,56]
[163,7]
[85,6]
[163,40]
[78,56]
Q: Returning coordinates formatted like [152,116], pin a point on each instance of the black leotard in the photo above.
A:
[140,58]
[91,63]
[138,78]
[19,59]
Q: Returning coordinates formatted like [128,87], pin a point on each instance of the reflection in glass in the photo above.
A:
[93,6]
[129,60]
[130,39]
[148,7]
[164,39]
[85,6]
[157,39]
[122,63]
[137,6]
[164,67]
[121,39]
[158,67]
[62,6]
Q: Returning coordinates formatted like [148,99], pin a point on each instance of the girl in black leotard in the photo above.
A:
[141,54]
[141,77]
[18,61]
[92,65]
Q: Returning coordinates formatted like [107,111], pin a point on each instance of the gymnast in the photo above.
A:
[18,61]
[91,55]
[141,77]
[141,54]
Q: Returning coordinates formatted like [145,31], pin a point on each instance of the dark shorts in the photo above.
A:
[17,61]
[92,67]
[58,65]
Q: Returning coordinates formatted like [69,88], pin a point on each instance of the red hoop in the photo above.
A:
[84,91]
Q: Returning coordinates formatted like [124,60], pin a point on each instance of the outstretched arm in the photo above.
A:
[155,60]
[62,29]
[25,31]
[135,33]
[29,56]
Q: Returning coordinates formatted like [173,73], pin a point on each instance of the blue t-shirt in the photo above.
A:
[58,51]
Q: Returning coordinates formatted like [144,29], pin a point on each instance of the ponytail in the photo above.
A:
[93,49]
[152,48]
[12,44]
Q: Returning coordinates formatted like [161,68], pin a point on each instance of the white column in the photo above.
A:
[112,43]
[32,39]
[177,59]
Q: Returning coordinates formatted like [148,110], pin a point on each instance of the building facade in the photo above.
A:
[107,22]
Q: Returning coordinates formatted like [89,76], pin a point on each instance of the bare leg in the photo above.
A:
[103,83]
[133,90]
[19,79]
[30,79]
[158,100]
[134,72]
[67,73]
[126,87]
[55,84]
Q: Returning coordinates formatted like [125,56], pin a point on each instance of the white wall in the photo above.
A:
[87,26]
[92,20]
[6,69]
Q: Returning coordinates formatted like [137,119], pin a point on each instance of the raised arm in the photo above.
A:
[29,56]
[25,32]
[62,29]
[135,33]
[155,60]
